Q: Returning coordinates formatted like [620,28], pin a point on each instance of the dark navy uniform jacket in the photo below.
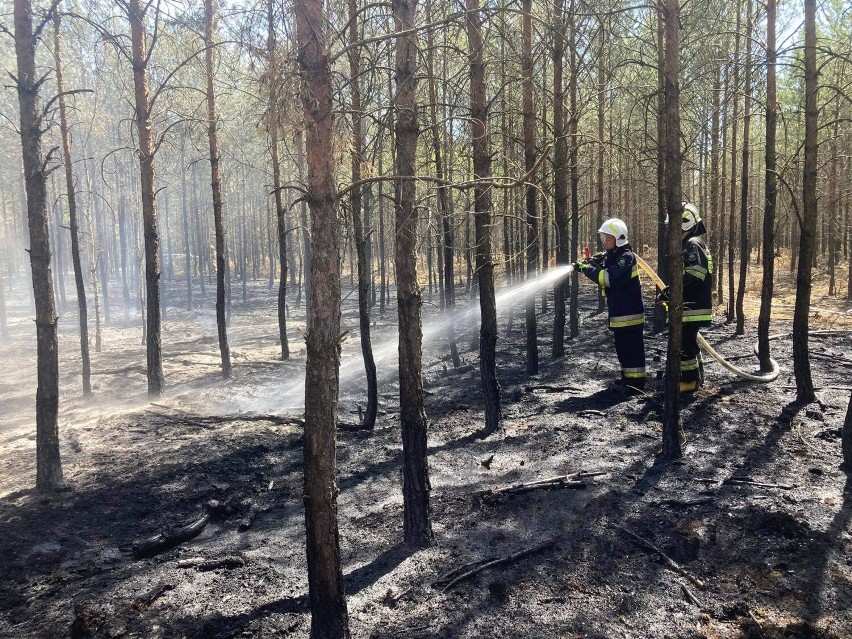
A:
[697,282]
[619,281]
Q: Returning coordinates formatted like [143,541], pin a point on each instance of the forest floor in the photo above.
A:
[757,515]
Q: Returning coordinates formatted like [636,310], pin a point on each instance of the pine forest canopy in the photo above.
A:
[620,39]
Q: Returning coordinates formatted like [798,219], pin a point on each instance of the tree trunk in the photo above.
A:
[846,440]
[216,184]
[574,169]
[735,92]
[184,205]
[560,177]
[663,264]
[444,206]
[771,193]
[416,487]
[273,128]
[307,243]
[529,162]
[136,15]
[745,252]
[482,221]
[329,617]
[357,159]
[672,432]
[807,244]
[48,462]
[68,161]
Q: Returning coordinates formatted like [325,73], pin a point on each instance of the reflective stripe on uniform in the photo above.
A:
[698,315]
[688,364]
[697,272]
[627,320]
[634,373]
[603,278]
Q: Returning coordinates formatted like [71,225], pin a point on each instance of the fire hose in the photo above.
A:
[764,378]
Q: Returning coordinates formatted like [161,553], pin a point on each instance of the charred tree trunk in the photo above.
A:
[672,432]
[771,193]
[216,184]
[482,222]
[417,523]
[49,464]
[357,158]
[273,130]
[560,177]
[136,14]
[807,243]
[663,264]
[574,169]
[846,440]
[745,252]
[67,160]
[735,93]
[479,127]
[444,207]
[329,617]
[307,242]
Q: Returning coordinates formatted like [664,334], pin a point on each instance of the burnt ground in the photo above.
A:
[774,556]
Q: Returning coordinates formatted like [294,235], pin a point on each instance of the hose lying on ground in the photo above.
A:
[764,378]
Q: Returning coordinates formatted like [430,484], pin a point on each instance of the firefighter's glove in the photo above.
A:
[581,266]
[664,295]
[597,260]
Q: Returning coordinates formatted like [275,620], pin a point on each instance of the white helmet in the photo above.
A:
[690,216]
[617,228]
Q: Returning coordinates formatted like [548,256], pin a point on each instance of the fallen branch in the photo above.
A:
[562,481]
[748,481]
[671,563]
[162,542]
[204,565]
[495,562]
[591,412]
[248,520]
[686,503]
[147,599]
[551,389]
[691,598]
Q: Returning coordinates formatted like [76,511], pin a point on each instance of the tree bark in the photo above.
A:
[74,226]
[574,169]
[357,159]
[771,193]
[329,617]
[846,440]
[807,243]
[416,487]
[745,252]
[136,15]
[216,184]
[660,313]
[735,92]
[48,461]
[560,176]
[273,130]
[482,222]
[529,163]
[672,432]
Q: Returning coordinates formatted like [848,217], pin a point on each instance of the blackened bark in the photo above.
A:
[529,163]
[216,185]
[771,193]
[482,221]
[807,241]
[560,177]
[417,519]
[329,617]
[273,129]
[846,440]
[153,339]
[444,207]
[307,242]
[660,312]
[48,461]
[74,226]
[574,168]
[357,158]
[732,236]
[744,243]
[672,432]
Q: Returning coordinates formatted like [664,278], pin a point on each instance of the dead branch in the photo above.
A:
[551,389]
[205,565]
[248,520]
[162,542]
[671,563]
[748,481]
[562,481]
[690,597]
[508,559]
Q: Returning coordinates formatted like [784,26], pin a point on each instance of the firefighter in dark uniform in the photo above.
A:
[697,296]
[617,274]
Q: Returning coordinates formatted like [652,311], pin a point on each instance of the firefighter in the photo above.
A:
[617,274]
[697,296]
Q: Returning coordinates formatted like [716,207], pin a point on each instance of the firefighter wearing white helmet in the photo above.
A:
[697,295]
[617,274]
